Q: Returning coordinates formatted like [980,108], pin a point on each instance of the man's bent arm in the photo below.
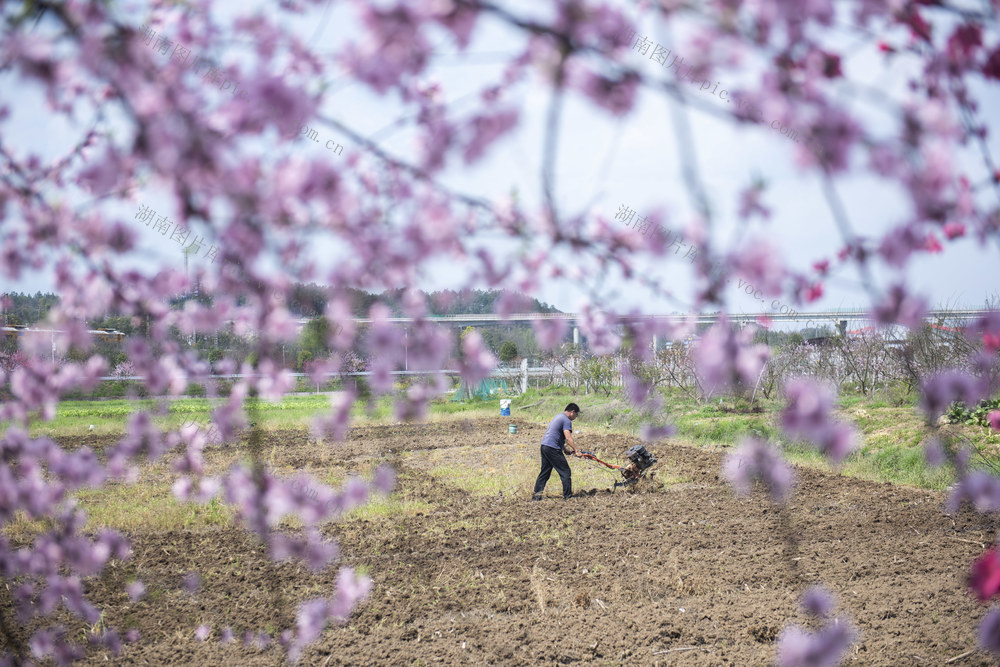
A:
[569,441]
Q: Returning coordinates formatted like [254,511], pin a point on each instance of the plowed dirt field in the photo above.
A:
[468,571]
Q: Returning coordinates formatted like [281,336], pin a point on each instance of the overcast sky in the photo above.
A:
[604,162]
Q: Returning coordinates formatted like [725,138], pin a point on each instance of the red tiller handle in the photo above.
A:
[590,455]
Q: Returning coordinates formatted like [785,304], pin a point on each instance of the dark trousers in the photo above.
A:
[554,458]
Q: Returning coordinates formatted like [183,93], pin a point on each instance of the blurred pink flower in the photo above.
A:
[984,579]
[979,488]
[385,479]
[486,129]
[457,17]
[823,648]
[817,602]
[751,202]
[991,69]
[963,44]
[989,630]
[759,262]
[726,358]
[756,460]
[600,329]
[135,590]
[337,423]
[986,330]
[809,416]
[477,362]
[993,418]
[550,333]
[192,582]
[614,95]
[942,389]
[954,230]
[394,47]
[897,246]
[934,452]
[899,307]
[834,134]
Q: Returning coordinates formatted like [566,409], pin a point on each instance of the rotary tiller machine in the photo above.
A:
[639,462]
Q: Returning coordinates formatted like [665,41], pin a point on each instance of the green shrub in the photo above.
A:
[958,413]
[508,352]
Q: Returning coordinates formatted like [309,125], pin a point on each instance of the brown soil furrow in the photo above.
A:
[602,579]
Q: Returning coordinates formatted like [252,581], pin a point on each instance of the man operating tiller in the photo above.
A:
[558,438]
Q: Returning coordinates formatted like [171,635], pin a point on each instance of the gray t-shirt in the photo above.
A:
[554,436]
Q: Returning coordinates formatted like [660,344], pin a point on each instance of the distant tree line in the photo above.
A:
[304,301]
[25,309]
